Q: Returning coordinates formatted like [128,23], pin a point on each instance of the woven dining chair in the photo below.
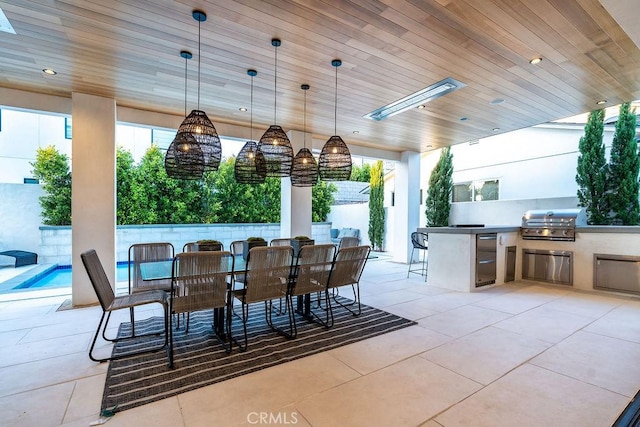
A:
[236,247]
[348,242]
[280,242]
[190,247]
[346,271]
[312,270]
[147,252]
[110,303]
[267,278]
[199,282]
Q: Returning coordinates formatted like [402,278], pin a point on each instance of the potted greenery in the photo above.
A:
[209,245]
[300,241]
[251,242]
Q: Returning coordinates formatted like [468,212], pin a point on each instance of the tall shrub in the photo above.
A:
[361,173]
[623,170]
[158,199]
[231,202]
[125,183]
[438,202]
[376,205]
[52,169]
[321,200]
[592,170]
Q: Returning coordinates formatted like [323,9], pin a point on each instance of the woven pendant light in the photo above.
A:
[304,172]
[275,144]
[198,124]
[335,158]
[184,158]
[250,167]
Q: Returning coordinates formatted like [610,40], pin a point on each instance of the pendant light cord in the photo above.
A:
[304,137]
[186,61]
[199,23]
[335,108]
[251,112]
[275,89]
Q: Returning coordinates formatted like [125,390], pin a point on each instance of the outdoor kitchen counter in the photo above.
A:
[452,255]
[451,259]
[471,230]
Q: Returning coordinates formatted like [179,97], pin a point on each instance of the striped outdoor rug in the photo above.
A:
[199,359]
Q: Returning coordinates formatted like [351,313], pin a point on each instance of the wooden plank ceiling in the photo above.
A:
[129,50]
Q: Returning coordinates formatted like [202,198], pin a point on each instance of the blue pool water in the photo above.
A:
[61,277]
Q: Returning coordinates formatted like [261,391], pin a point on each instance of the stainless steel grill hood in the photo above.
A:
[552,224]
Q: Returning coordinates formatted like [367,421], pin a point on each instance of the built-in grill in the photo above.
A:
[553,224]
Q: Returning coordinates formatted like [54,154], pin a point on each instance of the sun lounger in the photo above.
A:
[22,257]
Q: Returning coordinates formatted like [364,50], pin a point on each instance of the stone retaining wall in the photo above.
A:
[55,242]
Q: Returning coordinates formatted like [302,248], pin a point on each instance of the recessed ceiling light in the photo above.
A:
[243,109]
[420,107]
[602,101]
[356,132]
[496,129]
[535,61]
[429,146]
[49,71]
[497,101]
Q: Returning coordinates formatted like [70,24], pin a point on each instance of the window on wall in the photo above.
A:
[162,138]
[477,191]
[67,128]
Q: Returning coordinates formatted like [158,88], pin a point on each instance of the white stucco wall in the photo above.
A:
[351,216]
[20,217]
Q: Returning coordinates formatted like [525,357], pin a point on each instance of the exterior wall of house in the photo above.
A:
[536,168]
[22,133]
[20,217]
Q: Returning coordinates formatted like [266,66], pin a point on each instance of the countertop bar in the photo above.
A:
[471,230]
[620,229]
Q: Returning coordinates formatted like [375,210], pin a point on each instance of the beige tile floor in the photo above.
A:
[523,354]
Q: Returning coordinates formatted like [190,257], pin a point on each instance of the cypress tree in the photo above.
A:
[438,203]
[376,205]
[623,169]
[592,170]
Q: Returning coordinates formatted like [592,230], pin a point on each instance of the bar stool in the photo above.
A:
[419,242]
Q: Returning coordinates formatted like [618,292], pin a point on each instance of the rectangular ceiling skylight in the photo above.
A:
[416,99]
[5,25]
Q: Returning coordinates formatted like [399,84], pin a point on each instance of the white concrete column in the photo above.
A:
[93,197]
[407,204]
[295,202]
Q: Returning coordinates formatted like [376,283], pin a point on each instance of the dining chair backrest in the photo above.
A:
[280,242]
[98,278]
[268,272]
[348,242]
[199,280]
[313,267]
[236,247]
[419,240]
[190,247]
[348,266]
[147,252]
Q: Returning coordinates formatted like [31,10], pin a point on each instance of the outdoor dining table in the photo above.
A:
[157,270]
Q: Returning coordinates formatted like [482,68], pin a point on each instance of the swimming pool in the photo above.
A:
[60,277]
